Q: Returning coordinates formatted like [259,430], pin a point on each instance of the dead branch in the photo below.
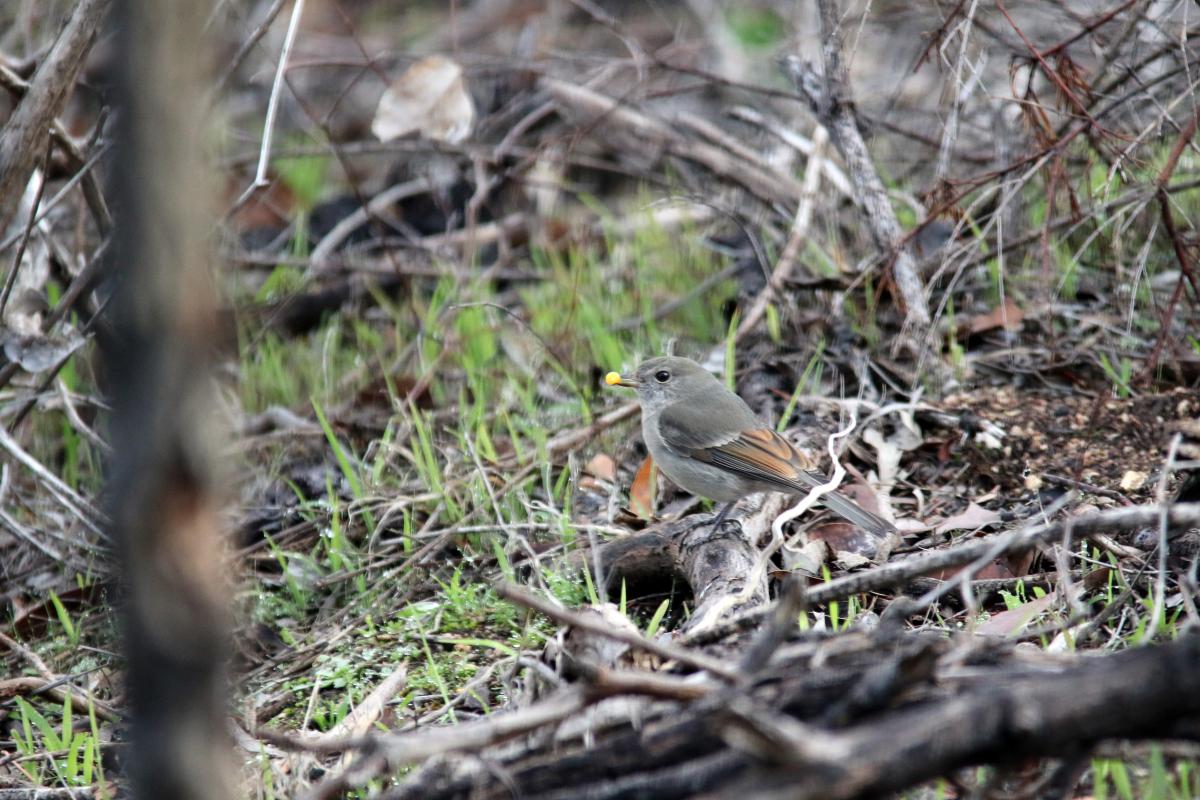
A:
[867,720]
[77,158]
[56,689]
[650,136]
[632,638]
[1132,694]
[797,238]
[896,575]
[716,564]
[828,94]
[23,139]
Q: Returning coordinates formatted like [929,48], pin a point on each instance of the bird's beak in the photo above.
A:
[615,379]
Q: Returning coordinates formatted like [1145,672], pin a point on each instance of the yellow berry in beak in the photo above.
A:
[615,379]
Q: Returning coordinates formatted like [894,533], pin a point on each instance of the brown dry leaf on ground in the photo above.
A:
[972,518]
[602,466]
[1012,620]
[1008,315]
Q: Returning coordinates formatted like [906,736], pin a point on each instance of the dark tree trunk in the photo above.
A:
[162,490]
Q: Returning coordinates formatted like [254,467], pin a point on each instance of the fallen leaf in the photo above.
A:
[845,537]
[847,560]
[807,559]
[37,353]
[597,649]
[431,99]
[1002,568]
[1133,480]
[1009,622]
[1008,315]
[974,517]
[602,466]
[643,494]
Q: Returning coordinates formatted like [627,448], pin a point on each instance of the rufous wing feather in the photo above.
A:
[763,455]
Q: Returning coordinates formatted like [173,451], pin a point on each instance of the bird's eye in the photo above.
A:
[662,376]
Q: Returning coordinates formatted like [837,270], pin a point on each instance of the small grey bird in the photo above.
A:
[708,441]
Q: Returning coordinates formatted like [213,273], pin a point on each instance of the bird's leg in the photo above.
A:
[722,514]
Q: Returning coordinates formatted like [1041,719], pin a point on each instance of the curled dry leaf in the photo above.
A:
[848,560]
[430,99]
[596,649]
[644,491]
[1133,480]
[807,559]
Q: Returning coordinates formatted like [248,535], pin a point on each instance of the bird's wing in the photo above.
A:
[685,428]
[759,454]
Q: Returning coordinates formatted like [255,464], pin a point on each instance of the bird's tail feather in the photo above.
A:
[847,509]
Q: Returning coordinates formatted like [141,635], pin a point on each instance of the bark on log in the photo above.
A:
[716,564]
[893,727]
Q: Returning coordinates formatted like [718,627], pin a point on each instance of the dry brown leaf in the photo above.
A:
[1007,315]
[431,99]
[643,494]
[602,466]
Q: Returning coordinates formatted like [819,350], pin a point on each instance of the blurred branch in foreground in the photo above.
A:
[162,494]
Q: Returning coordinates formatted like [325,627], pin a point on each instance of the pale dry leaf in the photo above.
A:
[430,98]
[602,466]
[807,559]
[889,451]
[974,517]
[1133,480]
[1009,622]
[848,560]
[597,649]
[37,353]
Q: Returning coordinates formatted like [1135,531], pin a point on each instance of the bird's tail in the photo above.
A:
[847,509]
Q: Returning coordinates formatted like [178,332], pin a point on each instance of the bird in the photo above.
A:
[708,441]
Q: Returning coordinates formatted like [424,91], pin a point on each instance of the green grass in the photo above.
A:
[756,28]
[55,753]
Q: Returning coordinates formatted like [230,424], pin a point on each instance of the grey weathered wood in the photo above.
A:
[828,94]
[23,140]
[871,720]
